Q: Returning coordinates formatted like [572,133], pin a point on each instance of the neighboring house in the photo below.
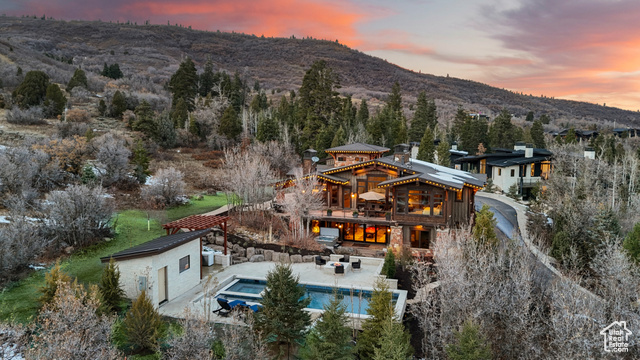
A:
[523,166]
[626,132]
[400,201]
[165,267]
[581,135]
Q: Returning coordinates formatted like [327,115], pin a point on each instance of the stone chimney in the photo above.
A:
[520,145]
[308,165]
[589,153]
[401,153]
[454,146]
[528,151]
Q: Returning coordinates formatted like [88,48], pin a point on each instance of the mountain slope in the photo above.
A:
[154,51]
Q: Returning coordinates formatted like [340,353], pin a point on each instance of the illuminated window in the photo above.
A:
[483,166]
[458,195]
[533,166]
[185,263]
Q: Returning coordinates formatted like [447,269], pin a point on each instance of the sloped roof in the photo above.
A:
[358,147]
[157,246]
[437,174]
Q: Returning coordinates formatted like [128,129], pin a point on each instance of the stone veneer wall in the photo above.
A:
[396,240]
[350,159]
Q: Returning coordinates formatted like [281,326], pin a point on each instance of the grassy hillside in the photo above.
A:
[151,53]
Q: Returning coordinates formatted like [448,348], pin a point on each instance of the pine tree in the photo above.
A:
[184,84]
[207,79]
[102,107]
[88,176]
[140,162]
[180,114]
[362,116]
[398,133]
[432,114]
[194,127]
[230,125]
[501,133]
[115,72]
[427,147]
[268,129]
[483,230]
[55,101]
[395,343]
[144,119]
[469,344]
[111,293]
[389,266]
[444,157]
[339,139]
[330,338]
[529,116]
[283,320]
[395,98]
[143,327]
[632,244]
[545,119]
[419,122]
[51,280]
[537,135]
[381,311]
[459,124]
[32,90]
[79,78]
[165,132]
[118,104]
[571,138]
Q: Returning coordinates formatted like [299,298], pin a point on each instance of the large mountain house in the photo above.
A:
[391,200]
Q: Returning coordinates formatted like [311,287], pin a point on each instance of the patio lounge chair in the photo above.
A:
[344,259]
[226,307]
[356,265]
[320,261]
[339,269]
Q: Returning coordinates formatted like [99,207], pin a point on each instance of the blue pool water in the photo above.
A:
[355,301]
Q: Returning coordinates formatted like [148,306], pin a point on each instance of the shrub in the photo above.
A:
[31,116]
[632,243]
[470,344]
[165,187]
[52,280]
[389,266]
[69,129]
[143,327]
[20,242]
[112,156]
[110,291]
[77,116]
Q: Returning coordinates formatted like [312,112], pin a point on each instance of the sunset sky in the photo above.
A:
[584,50]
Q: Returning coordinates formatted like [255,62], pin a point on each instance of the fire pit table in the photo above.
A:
[330,267]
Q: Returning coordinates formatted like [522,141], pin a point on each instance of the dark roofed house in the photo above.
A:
[400,201]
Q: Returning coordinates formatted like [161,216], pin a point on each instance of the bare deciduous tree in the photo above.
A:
[13,339]
[303,197]
[166,187]
[195,342]
[78,215]
[112,157]
[21,241]
[22,169]
[69,328]
[241,341]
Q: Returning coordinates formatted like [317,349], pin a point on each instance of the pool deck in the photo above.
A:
[308,273]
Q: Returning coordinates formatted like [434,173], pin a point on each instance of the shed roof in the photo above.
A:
[358,147]
[196,222]
[157,246]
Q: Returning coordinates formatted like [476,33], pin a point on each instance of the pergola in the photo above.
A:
[199,222]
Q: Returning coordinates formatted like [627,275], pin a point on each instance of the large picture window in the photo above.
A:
[185,263]
[418,201]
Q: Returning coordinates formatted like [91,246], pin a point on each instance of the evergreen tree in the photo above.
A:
[537,135]
[459,124]
[330,338]
[88,176]
[143,327]
[444,157]
[378,125]
[362,116]
[339,139]
[180,114]
[140,162]
[485,223]
[398,133]
[348,113]
[381,311]
[571,138]
[632,243]
[545,119]
[208,79]
[55,101]
[283,320]
[102,107]
[144,119]
[529,116]
[111,293]
[427,148]
[469,344]
[118,104]
[395,343]
[51,280]
[323,140]
[79,78]
[268,129]
[389,265]
[32,90]
[318,101]
[501,133]
[194,127]
[165,133]
[115,72]
[395,98]
[184,84]
[420,121]
[230,125]
[432,114]
[474,133]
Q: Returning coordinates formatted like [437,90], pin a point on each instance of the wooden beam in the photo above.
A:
[224,227]
[201,248]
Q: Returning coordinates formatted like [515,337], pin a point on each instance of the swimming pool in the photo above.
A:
[356,301]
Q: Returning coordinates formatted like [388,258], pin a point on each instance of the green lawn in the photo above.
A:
[18,301]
